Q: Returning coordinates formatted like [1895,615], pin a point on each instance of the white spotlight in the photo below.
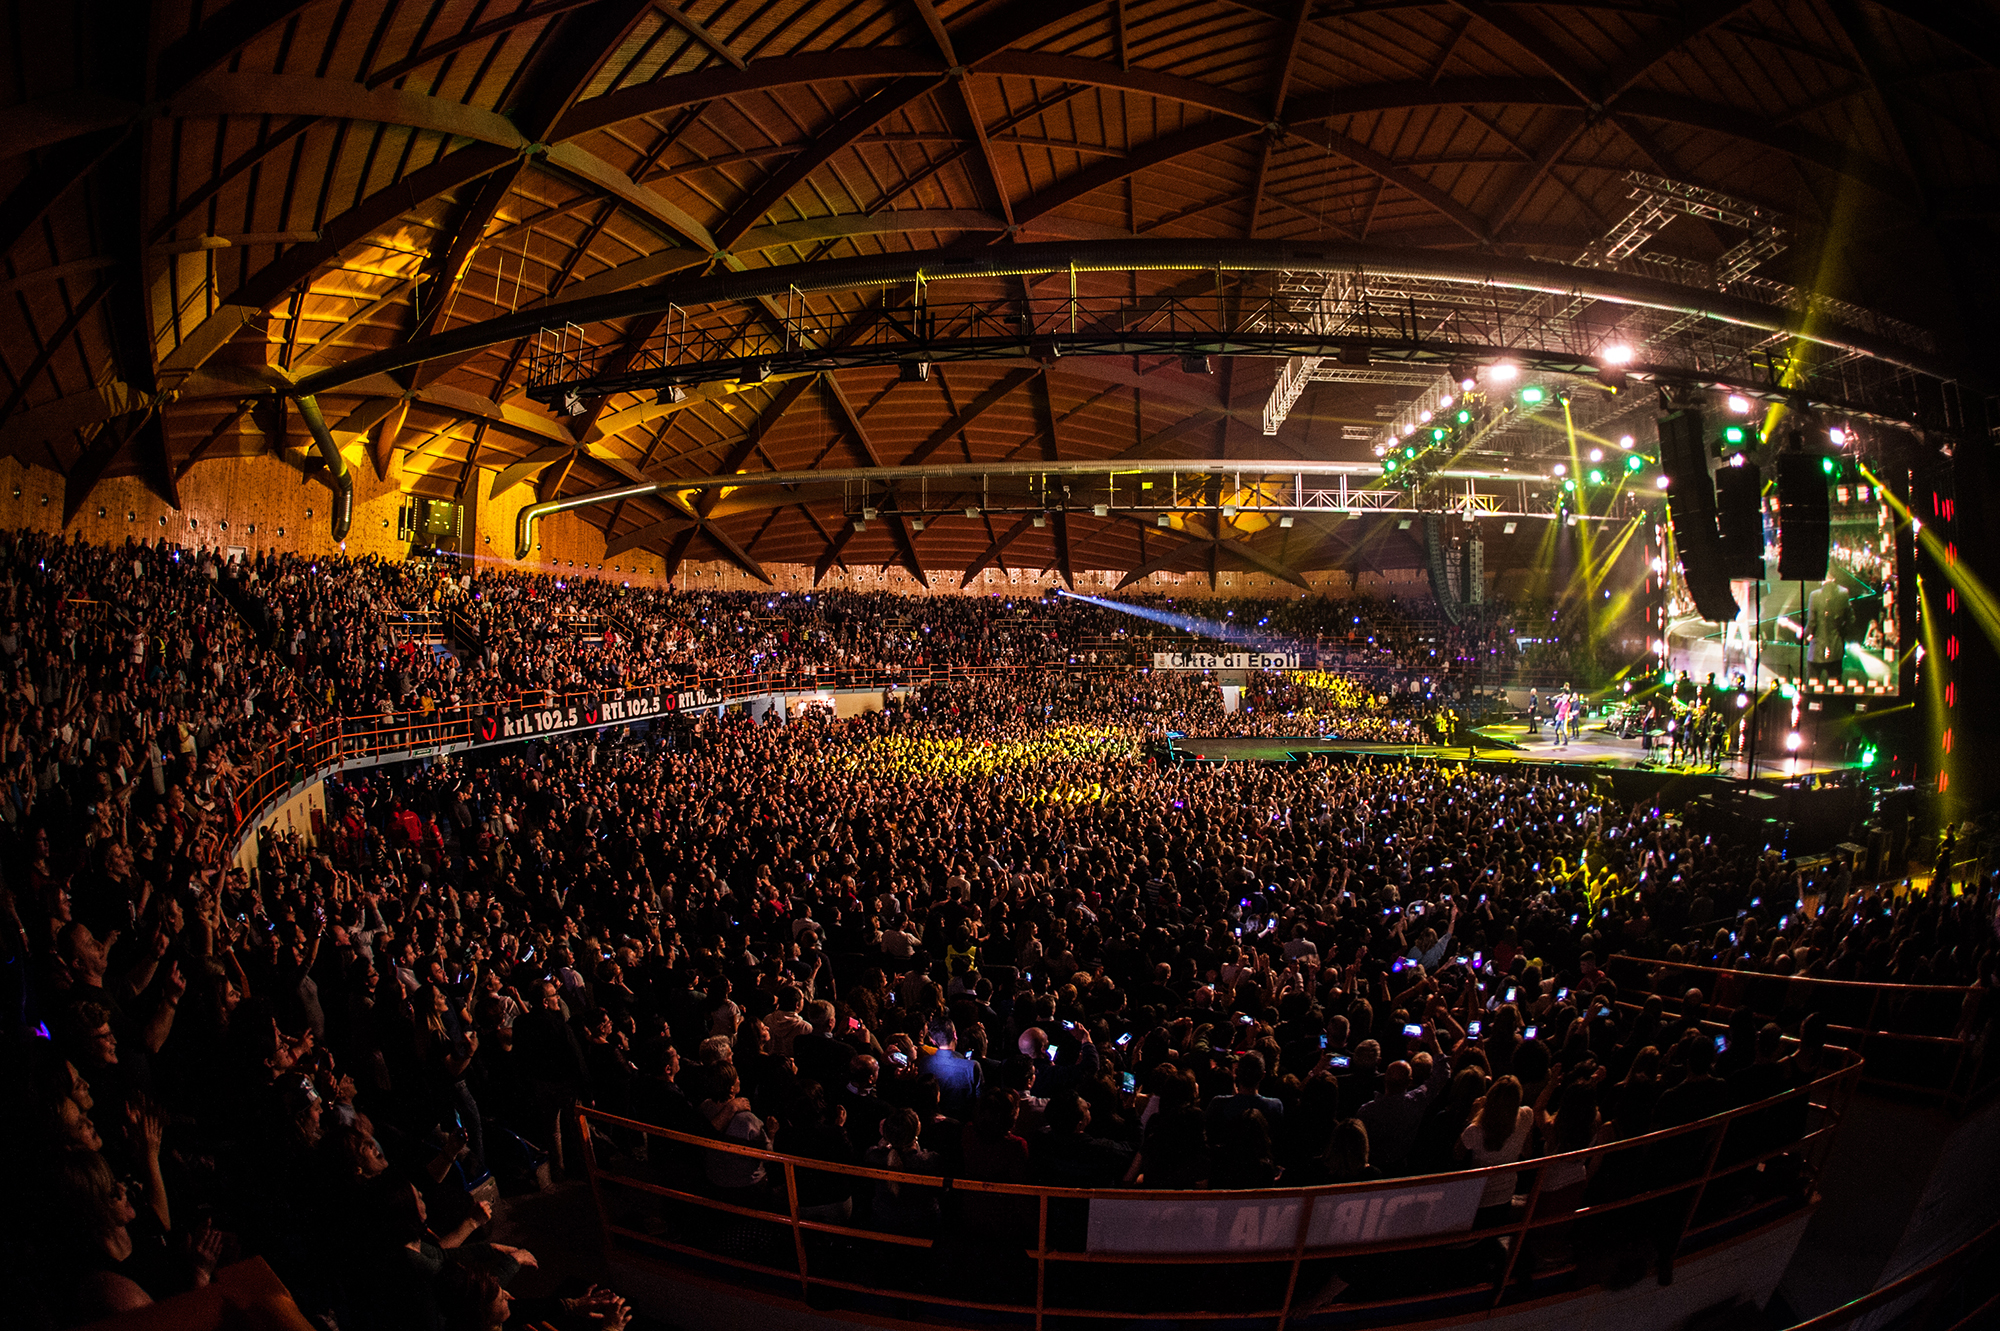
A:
[1625,441]
[1504,373]
[1739,404]
[1597,455]
[1836,436]
[1662,482]
[1561,469]
[1793,741]
[1618,354]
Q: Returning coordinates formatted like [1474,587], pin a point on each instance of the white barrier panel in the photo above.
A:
[1272,1225]
[1226,660]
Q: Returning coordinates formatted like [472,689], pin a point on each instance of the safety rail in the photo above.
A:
[1292,1252]
[417,623]
[1939,1284]
[1929,1039]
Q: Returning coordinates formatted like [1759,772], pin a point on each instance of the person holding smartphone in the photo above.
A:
[1408,1087]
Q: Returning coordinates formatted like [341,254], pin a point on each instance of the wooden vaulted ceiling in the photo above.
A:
[204,200]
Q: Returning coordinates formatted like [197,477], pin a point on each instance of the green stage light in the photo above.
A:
[1867,758]
[1409,452]
[1596,477]
[1829,466]
[1464,417]
[1437,434]
[1732,434]
[1569,487]
[1634,463]
[1388,466]
[1533,394]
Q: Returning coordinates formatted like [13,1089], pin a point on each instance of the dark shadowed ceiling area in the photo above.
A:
[204,208]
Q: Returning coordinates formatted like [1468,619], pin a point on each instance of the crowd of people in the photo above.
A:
[980,934]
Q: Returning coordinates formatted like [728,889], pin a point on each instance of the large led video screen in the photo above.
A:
[1839,635]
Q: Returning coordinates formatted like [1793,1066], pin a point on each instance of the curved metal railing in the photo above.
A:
[1020,1254]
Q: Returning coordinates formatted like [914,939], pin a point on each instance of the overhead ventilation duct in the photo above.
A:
[337,478]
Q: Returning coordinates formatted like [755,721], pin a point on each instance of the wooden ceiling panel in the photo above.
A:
[308,165]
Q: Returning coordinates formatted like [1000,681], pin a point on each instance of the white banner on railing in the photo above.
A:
[588,712]
[1226,660]
[1272,1225]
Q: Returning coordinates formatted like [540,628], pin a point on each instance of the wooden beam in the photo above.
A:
[994,550]
[213,437]
[974,409]
[59,171]
[831,555]
[77,315]
[647,537]
[105,443]
[551,483]
[825,536]
[1161,562]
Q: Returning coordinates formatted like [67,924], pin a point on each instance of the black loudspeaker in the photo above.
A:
[1691,507]
[1804,525]
[1739,520]
[1434,558]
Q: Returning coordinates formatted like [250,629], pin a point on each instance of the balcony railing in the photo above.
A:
[1353,1254]
[1929,1039]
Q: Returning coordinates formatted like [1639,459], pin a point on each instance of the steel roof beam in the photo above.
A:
[937,266]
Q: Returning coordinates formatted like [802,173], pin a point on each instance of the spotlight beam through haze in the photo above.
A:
[1207,628]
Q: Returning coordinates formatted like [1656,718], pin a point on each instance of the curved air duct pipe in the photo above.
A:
[525,520]
[337,478]
[943,265]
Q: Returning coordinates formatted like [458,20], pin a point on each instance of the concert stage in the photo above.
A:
[1510,744]
[1794,816]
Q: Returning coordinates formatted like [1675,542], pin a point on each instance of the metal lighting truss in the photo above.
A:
[1350,306]
[1658,339]
[1140,492]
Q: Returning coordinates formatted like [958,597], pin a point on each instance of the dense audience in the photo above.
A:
[980,934]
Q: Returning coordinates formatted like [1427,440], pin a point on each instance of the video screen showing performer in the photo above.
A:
[1839,634]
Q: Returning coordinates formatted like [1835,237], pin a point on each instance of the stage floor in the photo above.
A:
[1504,743]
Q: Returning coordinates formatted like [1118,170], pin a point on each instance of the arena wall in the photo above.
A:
[259,503]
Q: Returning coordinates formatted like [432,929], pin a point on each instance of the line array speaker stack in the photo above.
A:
[1739,520]
[1804,521]
[1691,507]
[1434,560]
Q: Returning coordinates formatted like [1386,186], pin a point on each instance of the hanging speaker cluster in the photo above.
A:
[1691,508]
[1435,560]
[1739,519]
[1804,521]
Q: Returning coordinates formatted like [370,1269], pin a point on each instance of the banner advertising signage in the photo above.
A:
[1226,660]
[588,713]
[1272,1224]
